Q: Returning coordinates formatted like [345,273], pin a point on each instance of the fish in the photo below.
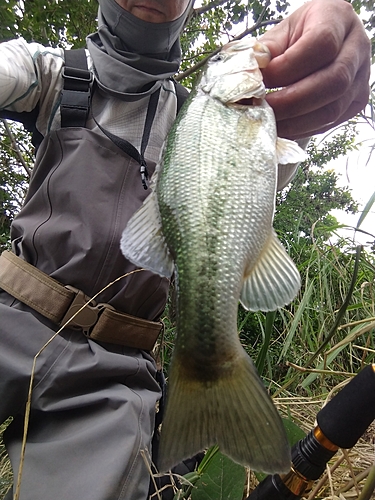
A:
[208,222]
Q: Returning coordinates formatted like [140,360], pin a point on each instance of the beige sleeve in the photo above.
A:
[30,75]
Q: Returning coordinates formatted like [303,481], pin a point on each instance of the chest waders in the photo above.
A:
[84,188]
[66,248]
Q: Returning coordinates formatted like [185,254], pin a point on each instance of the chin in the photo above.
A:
[149,15]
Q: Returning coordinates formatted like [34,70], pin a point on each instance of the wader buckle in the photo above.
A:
[87,317]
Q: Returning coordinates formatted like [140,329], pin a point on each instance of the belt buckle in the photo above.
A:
[86,318]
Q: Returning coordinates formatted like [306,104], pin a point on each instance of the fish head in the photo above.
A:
[234,73]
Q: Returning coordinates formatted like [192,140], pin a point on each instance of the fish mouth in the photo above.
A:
[249,101]
[249,89]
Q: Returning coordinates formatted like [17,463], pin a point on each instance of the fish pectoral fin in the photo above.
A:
[273,282]
[289,152]
[234,411]
[143,242]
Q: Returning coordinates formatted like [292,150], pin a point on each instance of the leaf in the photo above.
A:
[293,431]
[369,487]
[294,434]
[223,479]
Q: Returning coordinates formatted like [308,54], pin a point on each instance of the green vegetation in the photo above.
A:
[303,351]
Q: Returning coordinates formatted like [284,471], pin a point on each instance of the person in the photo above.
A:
[94,388]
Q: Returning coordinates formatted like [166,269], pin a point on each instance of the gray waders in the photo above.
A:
[93,402]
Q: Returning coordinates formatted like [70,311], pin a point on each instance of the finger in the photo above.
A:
[348,76]
[321,120]
[296,49]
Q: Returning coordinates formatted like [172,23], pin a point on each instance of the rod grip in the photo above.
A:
[346,417]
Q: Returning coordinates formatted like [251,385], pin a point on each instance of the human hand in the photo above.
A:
[321,58]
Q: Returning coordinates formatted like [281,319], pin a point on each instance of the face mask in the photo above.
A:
[140,36]
[132,56]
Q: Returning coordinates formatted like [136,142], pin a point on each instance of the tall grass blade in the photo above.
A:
[333,329]
[312,377]
[342,310]
[366,210]
[297,319]
[261,359]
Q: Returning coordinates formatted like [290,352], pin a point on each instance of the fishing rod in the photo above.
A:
[340,424]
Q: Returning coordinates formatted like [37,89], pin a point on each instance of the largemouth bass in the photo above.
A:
[209,221]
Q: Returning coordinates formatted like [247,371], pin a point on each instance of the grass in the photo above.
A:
[306,350]
[346,472]
[6,475]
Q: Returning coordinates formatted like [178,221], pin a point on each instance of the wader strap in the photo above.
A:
[76,94]
[100,322]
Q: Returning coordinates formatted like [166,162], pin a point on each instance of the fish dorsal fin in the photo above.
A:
[273,282]
[143,242]
[289,152]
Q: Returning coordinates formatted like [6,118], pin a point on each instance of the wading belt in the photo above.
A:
[59,303]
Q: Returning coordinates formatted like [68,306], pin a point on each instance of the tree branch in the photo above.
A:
[15,147]
[205,8]
[258,24]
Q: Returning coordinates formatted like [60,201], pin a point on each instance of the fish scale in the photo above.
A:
[208,221]
[218,222]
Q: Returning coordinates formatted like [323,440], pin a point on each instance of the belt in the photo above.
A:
[59,303]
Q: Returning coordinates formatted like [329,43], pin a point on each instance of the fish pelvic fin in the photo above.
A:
[234,411]
[142,241]
[273,282]
[289,152]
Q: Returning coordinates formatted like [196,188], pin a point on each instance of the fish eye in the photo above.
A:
[217,58]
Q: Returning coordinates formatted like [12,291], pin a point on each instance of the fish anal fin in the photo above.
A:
[233,411]
[273,282]
[143,242]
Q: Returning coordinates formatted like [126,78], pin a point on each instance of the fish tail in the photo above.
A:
[234,412]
